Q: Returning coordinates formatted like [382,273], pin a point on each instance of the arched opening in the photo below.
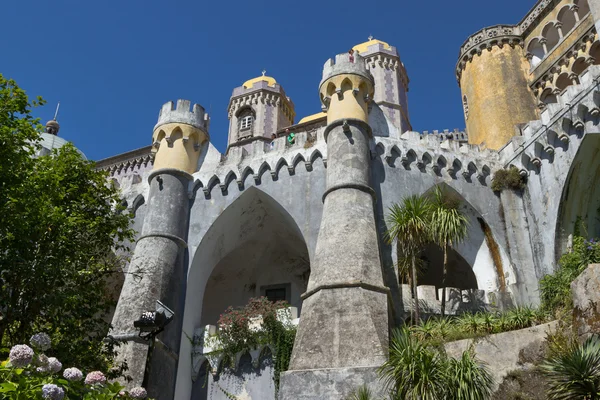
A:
[245,122]
[566,17]
[460,274]
[584,8]
[476,263]
[253,248]
[562,82]
[551,35]
[595,53]
[536,50]
[579,212]
[547,97]
[579,66]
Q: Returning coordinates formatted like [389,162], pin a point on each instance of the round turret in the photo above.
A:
[179,135]
[346,88]
[492,74]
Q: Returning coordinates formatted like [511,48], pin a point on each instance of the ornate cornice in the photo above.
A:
[534,14]
[269,98]
[130,160]
[485,39]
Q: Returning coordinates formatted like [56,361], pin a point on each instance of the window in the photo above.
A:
[246,122]
[277,294]
[466,106]
[281,292]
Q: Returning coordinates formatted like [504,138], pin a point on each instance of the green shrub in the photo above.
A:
[508,179]
[575,374]
[555,289]
[237,334]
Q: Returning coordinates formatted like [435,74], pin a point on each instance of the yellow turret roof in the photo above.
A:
[312,117]
[362,47]
[270,81]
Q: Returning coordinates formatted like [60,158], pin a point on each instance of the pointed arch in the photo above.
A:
[254,239]
[137,203]
[479,261]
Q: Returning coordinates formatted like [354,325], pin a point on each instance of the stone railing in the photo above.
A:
[207,347]
[457,300]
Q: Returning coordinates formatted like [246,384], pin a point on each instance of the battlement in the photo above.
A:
[446,134]
[346,64]
[181,113]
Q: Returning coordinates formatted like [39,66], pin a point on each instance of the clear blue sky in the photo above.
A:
[112,64]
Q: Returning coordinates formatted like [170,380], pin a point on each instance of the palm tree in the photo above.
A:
[449,226]
[408,224]
[575,374]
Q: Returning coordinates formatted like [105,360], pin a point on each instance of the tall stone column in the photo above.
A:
[157,270]
[343,332]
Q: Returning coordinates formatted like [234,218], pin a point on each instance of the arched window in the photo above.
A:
[566,17]
[466,106]
[551,35]
[584,8]
[536,49]
[245,120]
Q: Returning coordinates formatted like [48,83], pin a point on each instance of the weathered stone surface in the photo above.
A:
[329,384]
[586,302]
[506,352]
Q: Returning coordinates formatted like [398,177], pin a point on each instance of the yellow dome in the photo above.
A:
[270,81]
[312,117]
[361,48]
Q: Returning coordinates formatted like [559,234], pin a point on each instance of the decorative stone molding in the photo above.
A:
[131,161]
[486,39]
[535,14]
[563,124]
[387,61]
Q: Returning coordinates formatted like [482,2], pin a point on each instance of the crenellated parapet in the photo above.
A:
[485,40]
[179,135]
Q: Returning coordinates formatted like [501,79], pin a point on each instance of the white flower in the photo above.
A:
[54,365]
[138,393]
[40,341]
[52,392]
[73,374]
[20,356]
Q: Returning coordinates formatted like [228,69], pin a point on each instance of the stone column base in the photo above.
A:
[329,384]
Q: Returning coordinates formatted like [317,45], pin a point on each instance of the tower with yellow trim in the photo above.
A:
[257,110]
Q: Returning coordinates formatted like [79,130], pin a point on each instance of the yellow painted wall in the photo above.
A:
[348,104]
[180,154]
[498,95]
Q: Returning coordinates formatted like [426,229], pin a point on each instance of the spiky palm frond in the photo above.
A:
[362,393]
[413,371]
[575,374]
[468,379]
[408,223]
[448,224]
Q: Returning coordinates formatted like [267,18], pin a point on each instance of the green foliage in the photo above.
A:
[555,289]
[439,330]
[261,322]
[508,179]
[409,225]
[361,393]
[575,374]
[61,229]
[417,371]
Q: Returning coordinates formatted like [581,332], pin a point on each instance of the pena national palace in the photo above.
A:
[296,208]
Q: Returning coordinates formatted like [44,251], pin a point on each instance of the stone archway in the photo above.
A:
[253,248]
[579,212]
[477,263]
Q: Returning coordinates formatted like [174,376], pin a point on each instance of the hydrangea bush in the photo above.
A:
[30,374]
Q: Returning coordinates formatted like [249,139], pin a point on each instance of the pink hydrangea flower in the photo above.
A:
[94,378]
